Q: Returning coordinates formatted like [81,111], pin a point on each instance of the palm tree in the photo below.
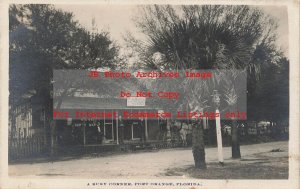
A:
[206,37]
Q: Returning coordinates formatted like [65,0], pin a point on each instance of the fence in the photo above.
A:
[19,148]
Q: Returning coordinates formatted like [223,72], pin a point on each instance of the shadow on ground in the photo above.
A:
[257,166]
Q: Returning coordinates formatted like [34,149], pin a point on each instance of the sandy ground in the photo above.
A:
[154,164]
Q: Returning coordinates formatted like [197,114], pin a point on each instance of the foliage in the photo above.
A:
[43,38]
[268,98]
[208,37]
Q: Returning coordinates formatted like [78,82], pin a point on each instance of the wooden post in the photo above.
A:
[112,128]
[53,137]
[44,122]
[117,128]
[104,131]
[146,129]
[132,131]
[84,139]
[219,137]
[168,131]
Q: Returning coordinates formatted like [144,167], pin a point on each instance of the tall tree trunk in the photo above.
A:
[53,149]
[198,146]
[235,145]
[53,130]
[13,125]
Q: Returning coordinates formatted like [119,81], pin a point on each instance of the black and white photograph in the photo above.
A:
[151,95]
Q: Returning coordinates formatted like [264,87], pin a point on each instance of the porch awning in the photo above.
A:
[103,103]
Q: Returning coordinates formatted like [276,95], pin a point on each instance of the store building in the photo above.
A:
[100,121]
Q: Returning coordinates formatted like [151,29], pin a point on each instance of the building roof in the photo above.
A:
[104,103]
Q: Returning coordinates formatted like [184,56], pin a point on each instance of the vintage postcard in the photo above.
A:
[149,94]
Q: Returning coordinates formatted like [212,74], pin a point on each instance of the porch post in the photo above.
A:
[112,128]
[84,139]
[53,138]
[104,123]
[132,131]
[168,131]
[117,127]
[146,128]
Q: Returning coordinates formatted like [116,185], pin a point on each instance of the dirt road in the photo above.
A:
[136,165]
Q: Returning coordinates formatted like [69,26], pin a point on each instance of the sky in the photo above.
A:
[117,19]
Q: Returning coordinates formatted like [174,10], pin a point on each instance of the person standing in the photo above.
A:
[121,130]
[142,130]
[163,129]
